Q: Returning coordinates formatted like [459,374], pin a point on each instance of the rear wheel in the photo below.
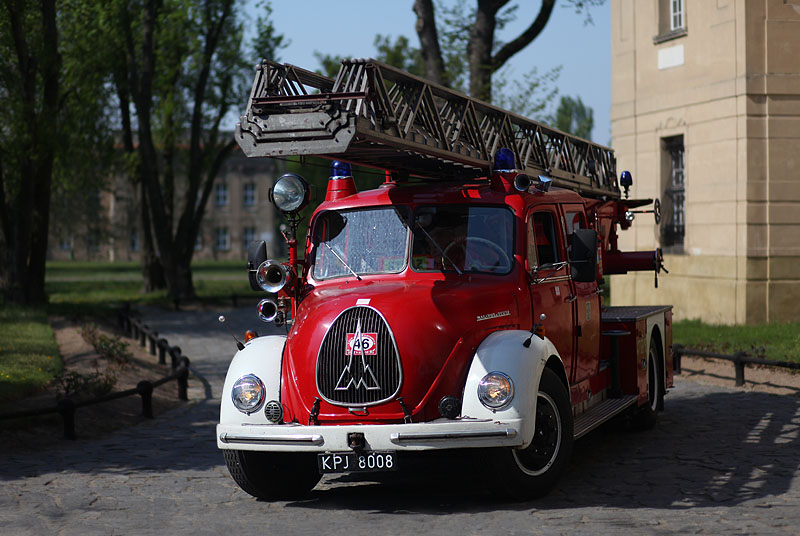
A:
[273,475]
[647,415]
[531,472]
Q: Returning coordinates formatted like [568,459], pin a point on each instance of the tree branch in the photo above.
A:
[525,38]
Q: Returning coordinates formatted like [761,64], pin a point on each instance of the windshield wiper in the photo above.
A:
[441,251]
[344,263]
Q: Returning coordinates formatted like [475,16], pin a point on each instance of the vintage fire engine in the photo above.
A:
[456,306]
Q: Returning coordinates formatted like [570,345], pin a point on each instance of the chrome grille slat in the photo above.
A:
[332,360]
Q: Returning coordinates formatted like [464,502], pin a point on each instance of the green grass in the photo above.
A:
[772,341]
[29,356]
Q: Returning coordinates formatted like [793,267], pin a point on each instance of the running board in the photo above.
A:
[600,413]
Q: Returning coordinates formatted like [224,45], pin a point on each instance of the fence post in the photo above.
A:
[183,380]
[153,337]
[143,335]
[677,353]
[739,364]
[163,345]
[174,354]
[134,329]
[66,407]
[145,390]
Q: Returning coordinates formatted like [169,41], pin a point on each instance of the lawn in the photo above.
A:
[29,357]
[779,341]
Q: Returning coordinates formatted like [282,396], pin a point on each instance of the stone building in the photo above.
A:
[106,226]
[706,115]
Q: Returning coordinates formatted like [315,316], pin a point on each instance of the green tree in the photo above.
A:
[52,99]
[574,117]
[184,70]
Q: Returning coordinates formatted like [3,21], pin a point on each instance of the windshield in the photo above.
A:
[363,242]
[463,238]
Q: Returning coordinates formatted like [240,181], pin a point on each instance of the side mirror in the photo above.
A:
[256,254]
[583,255]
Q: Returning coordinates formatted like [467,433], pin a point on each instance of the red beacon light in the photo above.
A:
[341,183]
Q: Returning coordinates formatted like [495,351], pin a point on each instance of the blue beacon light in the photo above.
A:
[504,160]
[340,170]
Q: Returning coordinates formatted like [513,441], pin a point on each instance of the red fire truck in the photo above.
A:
[456,306]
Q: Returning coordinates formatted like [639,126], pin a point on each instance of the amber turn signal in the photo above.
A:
[249,335]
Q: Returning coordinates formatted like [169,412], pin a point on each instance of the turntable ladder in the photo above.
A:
[376,115]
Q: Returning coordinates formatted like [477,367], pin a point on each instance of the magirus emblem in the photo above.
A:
[357,371]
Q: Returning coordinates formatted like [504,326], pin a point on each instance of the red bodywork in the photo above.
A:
[435,315]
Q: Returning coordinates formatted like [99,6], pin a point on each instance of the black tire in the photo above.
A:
[646,416]
[533,471]
[273,475]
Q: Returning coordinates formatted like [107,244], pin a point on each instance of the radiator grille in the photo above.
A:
[358,362]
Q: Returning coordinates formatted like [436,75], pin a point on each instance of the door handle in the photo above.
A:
[571,299]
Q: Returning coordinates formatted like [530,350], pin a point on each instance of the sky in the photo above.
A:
[347,28]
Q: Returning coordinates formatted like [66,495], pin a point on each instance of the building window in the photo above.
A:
[676,14]
[221,194]
[65,244]
[198,242]
[673,221]
[223,242]
[134,244]
[248,236]
[249,194]
[671,20]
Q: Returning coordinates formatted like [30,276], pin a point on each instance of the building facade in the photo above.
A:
[706,115]
[106,225]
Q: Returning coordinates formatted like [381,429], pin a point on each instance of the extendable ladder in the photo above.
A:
[376,115]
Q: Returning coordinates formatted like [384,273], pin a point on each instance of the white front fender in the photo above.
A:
[261,356]
[503,351]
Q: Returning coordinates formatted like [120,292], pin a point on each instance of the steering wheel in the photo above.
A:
[472,262]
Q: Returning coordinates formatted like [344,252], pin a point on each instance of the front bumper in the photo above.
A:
[436,435]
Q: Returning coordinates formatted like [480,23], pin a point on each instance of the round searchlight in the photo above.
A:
[290,192]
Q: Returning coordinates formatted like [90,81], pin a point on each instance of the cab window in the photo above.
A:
[542,240]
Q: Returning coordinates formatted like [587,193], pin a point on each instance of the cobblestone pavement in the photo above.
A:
[720,461]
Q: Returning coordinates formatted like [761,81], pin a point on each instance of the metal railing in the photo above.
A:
[739,360]
[131,327]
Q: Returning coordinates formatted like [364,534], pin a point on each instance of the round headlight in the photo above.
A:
[290,192]
[248,393]
[496,390]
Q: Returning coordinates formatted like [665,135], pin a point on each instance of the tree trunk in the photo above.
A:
[26,231]
[429,41]
[152,271]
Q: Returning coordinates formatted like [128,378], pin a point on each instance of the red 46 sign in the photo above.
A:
[366,343]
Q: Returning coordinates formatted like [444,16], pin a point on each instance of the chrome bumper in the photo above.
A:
[444,434]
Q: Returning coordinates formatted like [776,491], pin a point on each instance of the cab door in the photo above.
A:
[549,277]
[587,306]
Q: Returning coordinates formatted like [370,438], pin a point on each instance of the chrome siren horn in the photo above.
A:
[272,276]
[267,310]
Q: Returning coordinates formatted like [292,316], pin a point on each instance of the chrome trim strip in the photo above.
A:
[441,436]
[315,439]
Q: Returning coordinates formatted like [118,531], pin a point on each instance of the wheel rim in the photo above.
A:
[652,380]
[541,454]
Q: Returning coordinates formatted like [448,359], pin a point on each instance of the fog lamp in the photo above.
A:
[248,393]
[496,390]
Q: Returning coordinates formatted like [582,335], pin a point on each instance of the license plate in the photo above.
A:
[349,462]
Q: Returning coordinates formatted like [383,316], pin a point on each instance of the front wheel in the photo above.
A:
[531,472]
[273,475]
